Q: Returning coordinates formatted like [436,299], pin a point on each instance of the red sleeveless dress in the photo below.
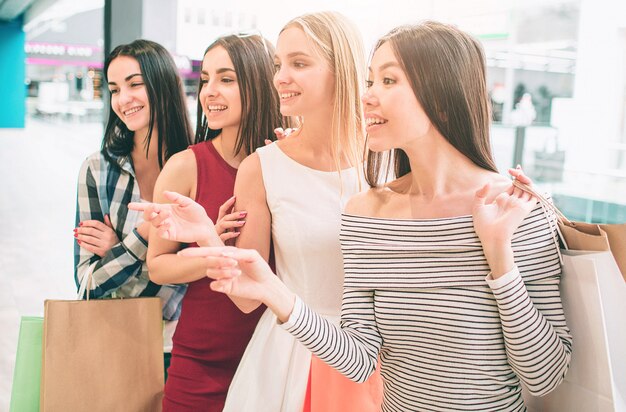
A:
[212,333]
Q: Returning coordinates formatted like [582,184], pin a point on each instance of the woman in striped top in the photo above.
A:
[451,274]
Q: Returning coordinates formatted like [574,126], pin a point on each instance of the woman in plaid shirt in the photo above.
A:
[147,124]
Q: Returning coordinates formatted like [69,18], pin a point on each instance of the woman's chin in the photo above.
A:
[377,146]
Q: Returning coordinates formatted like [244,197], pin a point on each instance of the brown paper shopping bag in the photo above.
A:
[594,300]
[593,293]
[588,236]
[102,355]
[597,237]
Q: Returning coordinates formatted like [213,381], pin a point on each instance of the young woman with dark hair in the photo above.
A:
[147,124]
[451,273]
[167,106]
[237,110]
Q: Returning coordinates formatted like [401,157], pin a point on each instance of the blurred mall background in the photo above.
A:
[556,75]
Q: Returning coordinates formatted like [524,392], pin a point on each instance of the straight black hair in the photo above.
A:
[165,96]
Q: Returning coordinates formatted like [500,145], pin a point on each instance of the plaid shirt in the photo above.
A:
[122,272]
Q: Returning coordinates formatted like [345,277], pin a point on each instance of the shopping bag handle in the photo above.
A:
[85,282]
[547,205]
[544,202]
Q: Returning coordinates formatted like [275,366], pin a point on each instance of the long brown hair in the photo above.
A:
[446,70]
[253,61]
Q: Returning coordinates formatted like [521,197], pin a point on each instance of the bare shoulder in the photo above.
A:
[249,186]
[499,184]
[181,163]
[250,168]
[368,202]
[179,174]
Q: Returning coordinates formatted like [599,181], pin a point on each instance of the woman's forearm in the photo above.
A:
[170,268]
[279,298]
[499,258]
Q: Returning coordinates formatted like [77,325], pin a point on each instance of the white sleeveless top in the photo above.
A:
[305,205]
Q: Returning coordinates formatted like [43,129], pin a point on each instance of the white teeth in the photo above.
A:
[133,110]
[374,120]
[217,108]
[288,95]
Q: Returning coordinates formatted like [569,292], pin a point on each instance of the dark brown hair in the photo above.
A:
[168,108]
[446,70]
[253,61]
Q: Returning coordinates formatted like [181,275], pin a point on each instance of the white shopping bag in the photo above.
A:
[594,299]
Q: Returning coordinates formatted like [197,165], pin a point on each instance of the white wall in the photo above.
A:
[591,121]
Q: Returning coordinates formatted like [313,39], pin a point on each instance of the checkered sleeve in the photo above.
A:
[124,260]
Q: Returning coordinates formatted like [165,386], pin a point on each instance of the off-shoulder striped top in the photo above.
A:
[418,294]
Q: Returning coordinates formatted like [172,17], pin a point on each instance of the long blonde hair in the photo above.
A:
[340,43]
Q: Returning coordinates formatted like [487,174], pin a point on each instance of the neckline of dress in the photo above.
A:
[217,154]
[295,162]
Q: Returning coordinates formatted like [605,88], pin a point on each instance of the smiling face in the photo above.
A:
[393,115]
[129,96]
[304,80]
[219,93]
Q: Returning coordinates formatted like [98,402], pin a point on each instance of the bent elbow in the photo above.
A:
[544,388]
[154,273]
[361,375]
[542,391]
[155,278]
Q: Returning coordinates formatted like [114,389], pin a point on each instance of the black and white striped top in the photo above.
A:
[417,293]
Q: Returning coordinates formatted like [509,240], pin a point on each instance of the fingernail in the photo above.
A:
[78,242]
[518,166]
[75,234]
[241,222]
[235,272]
[80,224]
[75,230]
[227,253]
[243,214]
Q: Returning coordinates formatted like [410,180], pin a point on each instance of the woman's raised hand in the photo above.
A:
[496,221]
[518,174]
[182,220]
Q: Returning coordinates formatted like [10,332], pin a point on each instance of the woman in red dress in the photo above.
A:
[237,110]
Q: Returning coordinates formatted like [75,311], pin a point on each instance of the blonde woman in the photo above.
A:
[295,190]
